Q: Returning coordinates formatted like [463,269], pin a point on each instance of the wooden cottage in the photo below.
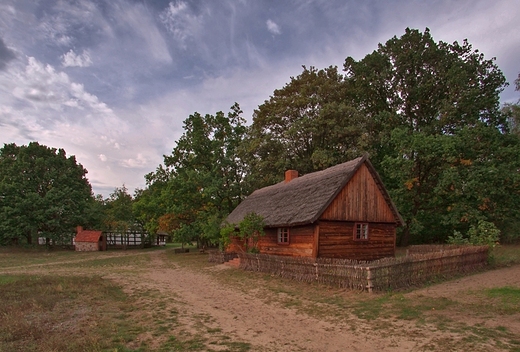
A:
[341,212]
[88,241]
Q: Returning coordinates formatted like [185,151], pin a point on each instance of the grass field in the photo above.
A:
[67,301]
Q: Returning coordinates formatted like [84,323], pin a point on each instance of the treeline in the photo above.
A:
[45,194]
[428,113]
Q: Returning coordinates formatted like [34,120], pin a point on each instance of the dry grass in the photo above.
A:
[69,306]
[43,313]
[57,310]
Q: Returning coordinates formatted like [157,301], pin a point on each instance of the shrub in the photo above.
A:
[485,233]
[251,228]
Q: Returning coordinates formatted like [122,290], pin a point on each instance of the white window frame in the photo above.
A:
[283,235]
[361,231]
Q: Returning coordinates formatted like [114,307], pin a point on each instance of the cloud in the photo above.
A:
[38,102]
[157,62]
[71,59]
[181,22]
[138,162]
[6,54]
[138,20]
[273,27]
[40,86]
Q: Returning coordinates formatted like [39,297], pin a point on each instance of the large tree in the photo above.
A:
[200,182]
[435,116]
[429,115]
[306,125]
[118,211]
[43,193]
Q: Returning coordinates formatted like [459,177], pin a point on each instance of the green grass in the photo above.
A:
[505,300]
[193,259]
[138,260]
[505,255]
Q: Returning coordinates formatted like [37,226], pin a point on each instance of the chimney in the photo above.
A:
[290,175]
[79,229]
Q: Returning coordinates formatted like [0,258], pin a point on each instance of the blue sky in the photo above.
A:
[111,81]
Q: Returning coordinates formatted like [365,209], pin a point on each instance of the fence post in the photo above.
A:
[369,280]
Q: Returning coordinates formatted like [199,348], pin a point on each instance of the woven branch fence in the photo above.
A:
[380,275]
[221,257]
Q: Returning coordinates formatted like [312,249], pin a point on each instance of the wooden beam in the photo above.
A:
[315,247]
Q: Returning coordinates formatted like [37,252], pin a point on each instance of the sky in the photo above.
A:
[111,81]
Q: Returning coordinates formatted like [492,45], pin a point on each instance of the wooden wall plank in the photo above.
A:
[301,242]
[337,241]
[360,200]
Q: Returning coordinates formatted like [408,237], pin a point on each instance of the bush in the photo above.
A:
[485,233]
[250,230]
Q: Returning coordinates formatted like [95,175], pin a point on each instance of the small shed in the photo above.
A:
[161,238]
[340,212]
[89,241]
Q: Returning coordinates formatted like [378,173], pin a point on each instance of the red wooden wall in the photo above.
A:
[301,240]
[360,200]
[336,240]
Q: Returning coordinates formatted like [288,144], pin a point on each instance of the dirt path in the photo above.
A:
[255,316]
[269,327]
[266,326]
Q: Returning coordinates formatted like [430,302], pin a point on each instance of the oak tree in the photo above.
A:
[306,126]
[434,109]
[43,193]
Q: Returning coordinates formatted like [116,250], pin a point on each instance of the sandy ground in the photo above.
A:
[255,318]
[269,327]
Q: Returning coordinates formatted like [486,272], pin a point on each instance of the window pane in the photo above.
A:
[283,235]
[361,231]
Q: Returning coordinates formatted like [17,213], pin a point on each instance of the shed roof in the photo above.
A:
[88,236]
[303,200]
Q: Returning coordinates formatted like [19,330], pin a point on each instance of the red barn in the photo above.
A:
[340,212]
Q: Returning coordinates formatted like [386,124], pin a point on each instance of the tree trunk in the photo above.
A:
[405,238]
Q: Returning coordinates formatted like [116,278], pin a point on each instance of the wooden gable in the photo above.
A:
[361,199]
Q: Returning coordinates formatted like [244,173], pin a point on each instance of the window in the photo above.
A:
[283,235]
[361,232]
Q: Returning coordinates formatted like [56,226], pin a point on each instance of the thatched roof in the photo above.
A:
[303,200]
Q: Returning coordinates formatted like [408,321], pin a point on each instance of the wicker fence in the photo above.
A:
[220,257]
[379,275]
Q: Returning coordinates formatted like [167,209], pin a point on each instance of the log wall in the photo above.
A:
[336,240]
[301,239]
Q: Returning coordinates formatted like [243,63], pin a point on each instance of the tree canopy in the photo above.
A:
[512,111]
[43,193]
[201,180]
[427,112]
[306,126]
[429,115]
[435,113]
